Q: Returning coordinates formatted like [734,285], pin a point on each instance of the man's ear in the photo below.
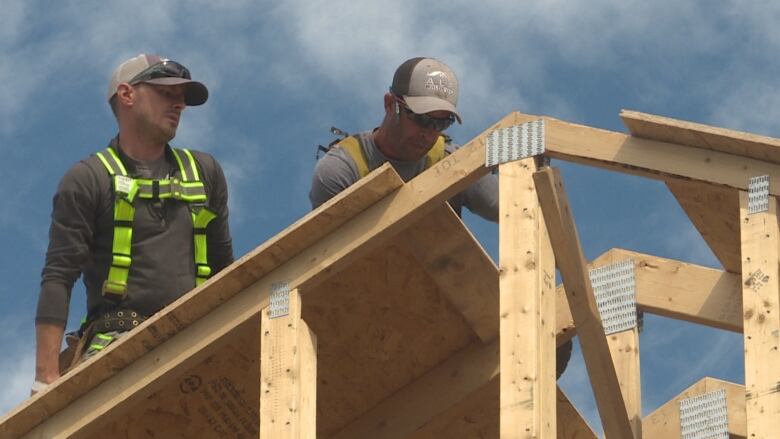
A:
[125,95]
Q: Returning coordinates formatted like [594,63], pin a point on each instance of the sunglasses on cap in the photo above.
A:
[163,69]
[425,121]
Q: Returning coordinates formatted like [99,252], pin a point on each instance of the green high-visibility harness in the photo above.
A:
[188,189]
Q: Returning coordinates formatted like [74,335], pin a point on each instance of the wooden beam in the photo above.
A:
[666,129]
[288,375]
[664,422]
[571,424]
[223,310]
[761,312]
[462,270]
[574,271]
[409,409]
[683,291]
[527,294]
[713,211]
[650,158]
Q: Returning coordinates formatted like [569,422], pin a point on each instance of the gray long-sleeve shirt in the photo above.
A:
[336,171]
[163,264]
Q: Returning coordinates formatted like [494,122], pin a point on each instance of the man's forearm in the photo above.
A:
[47,361]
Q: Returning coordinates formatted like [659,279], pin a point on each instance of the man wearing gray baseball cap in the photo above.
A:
[420,106]
[141,221]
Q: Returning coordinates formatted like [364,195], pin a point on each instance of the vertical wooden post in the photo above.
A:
[761,314]
[288,375]
[527,308]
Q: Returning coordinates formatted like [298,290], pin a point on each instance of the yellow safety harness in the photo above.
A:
[189,188]
[351,145]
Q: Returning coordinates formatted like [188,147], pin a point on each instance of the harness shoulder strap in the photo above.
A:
[436,153]
[352,146]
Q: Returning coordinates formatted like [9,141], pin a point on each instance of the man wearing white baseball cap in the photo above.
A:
[420,106]
[141,221]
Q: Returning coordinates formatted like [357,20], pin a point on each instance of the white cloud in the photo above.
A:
[17,364]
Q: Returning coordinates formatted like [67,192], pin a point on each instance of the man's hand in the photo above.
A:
[47,354]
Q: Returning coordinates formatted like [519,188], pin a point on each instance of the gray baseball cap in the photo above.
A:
[153,69]
[426,85]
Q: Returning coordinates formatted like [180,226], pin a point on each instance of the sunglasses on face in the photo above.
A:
[425,121]
[163,69]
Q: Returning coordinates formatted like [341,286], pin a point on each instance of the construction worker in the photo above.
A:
[420,105]
[142,222]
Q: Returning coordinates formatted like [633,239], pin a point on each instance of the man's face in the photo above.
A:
[159,108]
[411,140]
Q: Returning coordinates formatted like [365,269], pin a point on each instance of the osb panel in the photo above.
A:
[217,399]
[476,417]
[380,324]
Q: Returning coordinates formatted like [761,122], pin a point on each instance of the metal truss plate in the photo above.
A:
[515,143]
[704,416]
[615,290]
[280,300]
[758,194]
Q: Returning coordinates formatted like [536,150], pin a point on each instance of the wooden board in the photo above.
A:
[527,307]
[574,272]
[666,129]
[620,152]
[459,265]
[683,291]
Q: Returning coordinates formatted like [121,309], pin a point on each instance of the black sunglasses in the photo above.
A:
[425,121]
[163,69]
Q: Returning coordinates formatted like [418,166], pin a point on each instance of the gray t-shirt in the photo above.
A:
[163,265]
[337,171]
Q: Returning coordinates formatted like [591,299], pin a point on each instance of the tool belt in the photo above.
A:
[119,320]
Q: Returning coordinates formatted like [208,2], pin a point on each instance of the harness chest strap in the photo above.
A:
[352,146]
[189,189]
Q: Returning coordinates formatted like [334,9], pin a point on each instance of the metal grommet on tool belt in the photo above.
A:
[119,320]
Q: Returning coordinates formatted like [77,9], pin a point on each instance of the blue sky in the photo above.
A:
[281,73]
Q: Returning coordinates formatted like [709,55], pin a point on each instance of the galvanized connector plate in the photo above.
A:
[515,143]
[280,300]
[758,194]
[615,290]
[704,416]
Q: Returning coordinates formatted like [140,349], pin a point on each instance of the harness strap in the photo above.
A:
[188,189]
[352,146]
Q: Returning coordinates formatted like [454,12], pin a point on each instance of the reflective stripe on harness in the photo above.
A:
[352,147]
[188,189]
